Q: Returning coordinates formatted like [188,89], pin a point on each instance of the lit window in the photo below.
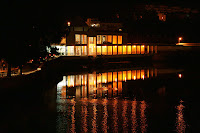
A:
[110,38]
[91,39]
[114,39]
[77,39]
[119,39]
[80,39]
[98,39]
[104,38]
[83,39]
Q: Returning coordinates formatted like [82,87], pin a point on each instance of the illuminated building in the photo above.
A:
[93,38]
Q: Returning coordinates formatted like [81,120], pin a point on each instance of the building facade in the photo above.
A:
[93,38]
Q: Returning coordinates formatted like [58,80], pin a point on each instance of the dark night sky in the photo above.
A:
[19,15]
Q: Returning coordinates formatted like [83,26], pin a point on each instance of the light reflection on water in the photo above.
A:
[101,115]
[180,122]
[93,103]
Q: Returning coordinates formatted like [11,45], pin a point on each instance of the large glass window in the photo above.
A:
[104,50]
[109,39]
[119,39]
[98,39]
[77,39]
[109,50]
[119,49]
[124,49]
[142,49]
[98,50]
[138,49]
[84,50]
[133,49]
[83,39]
[80,39]
[104,38]
[70,50]
[114,39]
[78,50]
[114,50]
[128,49]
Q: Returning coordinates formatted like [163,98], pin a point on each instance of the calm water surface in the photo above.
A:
[122,100]
[133,100]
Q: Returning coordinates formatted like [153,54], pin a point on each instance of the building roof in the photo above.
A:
[77,21]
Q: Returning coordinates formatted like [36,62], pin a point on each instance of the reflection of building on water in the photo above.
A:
[108,84]
[101,115]
[180,122]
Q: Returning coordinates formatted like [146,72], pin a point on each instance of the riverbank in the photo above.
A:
[76,64]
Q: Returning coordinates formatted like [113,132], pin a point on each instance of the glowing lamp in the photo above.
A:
[180,75]
[68,23]
[180,39]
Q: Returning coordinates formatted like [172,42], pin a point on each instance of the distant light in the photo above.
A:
[39,69]
[120,29]
[180,38]
[134,46]
[142,45]
[68,23]
[134,77]
[180,75]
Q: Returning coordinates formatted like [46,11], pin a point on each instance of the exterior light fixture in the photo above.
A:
[68,23]
[180,39]
[180,75]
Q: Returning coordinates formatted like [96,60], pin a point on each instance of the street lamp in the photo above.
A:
[179,39]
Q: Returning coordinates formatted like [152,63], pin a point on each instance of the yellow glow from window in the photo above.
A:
[142,49]
[147,73]
[133,74]
[124,49]
[104,77]
[128,49]
[109,50]
[138,74]
[124,75]
[98,50]
[119,39]
[129,75]
[110,77]
[84,50]
[110,38]
[114,84]
[119,87]
[119,76]
[77,39]
[119,49]
[99,78]
[133,49]
[104,50]
[114,50]
[147,49]
[114,76]
[142,74]
[114,39]
[138,49]
[98,39]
